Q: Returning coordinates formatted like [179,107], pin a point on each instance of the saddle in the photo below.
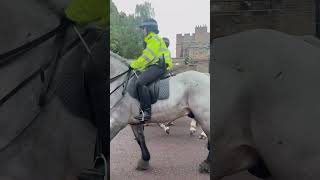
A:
[159,90]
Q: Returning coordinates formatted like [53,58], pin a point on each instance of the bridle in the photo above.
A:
[9,56]
[123,83]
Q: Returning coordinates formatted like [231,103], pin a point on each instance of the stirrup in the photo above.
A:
[98,172]
[142,119]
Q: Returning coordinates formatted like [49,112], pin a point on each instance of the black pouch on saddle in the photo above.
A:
[162,64]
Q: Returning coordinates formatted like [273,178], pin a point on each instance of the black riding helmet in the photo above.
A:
[151,25]
[166,40]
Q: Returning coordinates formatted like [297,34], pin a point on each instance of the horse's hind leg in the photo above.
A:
[203,135]
[193,127]
[165,128]
[193,124]
[200,118]
[204,167]
[143,163]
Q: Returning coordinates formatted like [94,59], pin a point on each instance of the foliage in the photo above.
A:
[144,11]
[126,39]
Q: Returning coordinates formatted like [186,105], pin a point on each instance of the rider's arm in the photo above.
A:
[148,54]
[84,12]
[169,66]
[169,63]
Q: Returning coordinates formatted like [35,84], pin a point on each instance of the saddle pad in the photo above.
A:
[164,90]
[163,85]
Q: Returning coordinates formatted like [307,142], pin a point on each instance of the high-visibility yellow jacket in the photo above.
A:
[84,12]
[155,48]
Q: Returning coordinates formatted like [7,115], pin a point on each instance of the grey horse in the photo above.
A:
[189,92]
[53,138]
[266,106]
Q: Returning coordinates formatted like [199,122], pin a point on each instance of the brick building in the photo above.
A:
[195,46]
[295,17]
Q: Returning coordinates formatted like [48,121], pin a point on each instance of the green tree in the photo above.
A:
[126,39]
[144,11]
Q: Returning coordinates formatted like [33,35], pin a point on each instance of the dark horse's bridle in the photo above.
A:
[9,56]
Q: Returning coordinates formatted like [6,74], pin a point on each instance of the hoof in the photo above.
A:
[192,133]
[204,167]
[143,165]
[167,131]
[202,137]
[170,124]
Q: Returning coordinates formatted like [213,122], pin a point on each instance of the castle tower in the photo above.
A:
[201,34]
[179,45]
[195,45]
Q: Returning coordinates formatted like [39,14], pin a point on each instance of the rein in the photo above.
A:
[122,84]
[5,58]
[116,77]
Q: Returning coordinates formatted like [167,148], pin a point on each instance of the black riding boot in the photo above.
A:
[145,104]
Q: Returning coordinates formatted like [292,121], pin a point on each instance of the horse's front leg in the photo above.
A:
[143,163]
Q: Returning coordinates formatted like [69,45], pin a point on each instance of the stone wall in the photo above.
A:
[195,65]
[198,53]
[291,16]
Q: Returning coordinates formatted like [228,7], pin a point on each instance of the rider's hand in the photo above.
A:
[65,22]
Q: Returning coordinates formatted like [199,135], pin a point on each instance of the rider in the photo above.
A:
[148,64]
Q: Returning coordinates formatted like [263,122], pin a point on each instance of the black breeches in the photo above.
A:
[148,76]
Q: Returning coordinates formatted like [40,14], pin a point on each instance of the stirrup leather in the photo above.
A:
[141,118]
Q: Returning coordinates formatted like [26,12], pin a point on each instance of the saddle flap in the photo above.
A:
[159,90]
[154,91]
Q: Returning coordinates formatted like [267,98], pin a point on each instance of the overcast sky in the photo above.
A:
[173,16]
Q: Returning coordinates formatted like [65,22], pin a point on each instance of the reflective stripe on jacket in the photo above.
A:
[155,49]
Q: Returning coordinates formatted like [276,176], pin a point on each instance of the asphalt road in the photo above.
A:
[173,157]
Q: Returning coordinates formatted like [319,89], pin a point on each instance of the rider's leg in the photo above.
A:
[145,100]
[148,76]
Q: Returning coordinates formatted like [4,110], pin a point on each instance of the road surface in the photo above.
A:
[173,157]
